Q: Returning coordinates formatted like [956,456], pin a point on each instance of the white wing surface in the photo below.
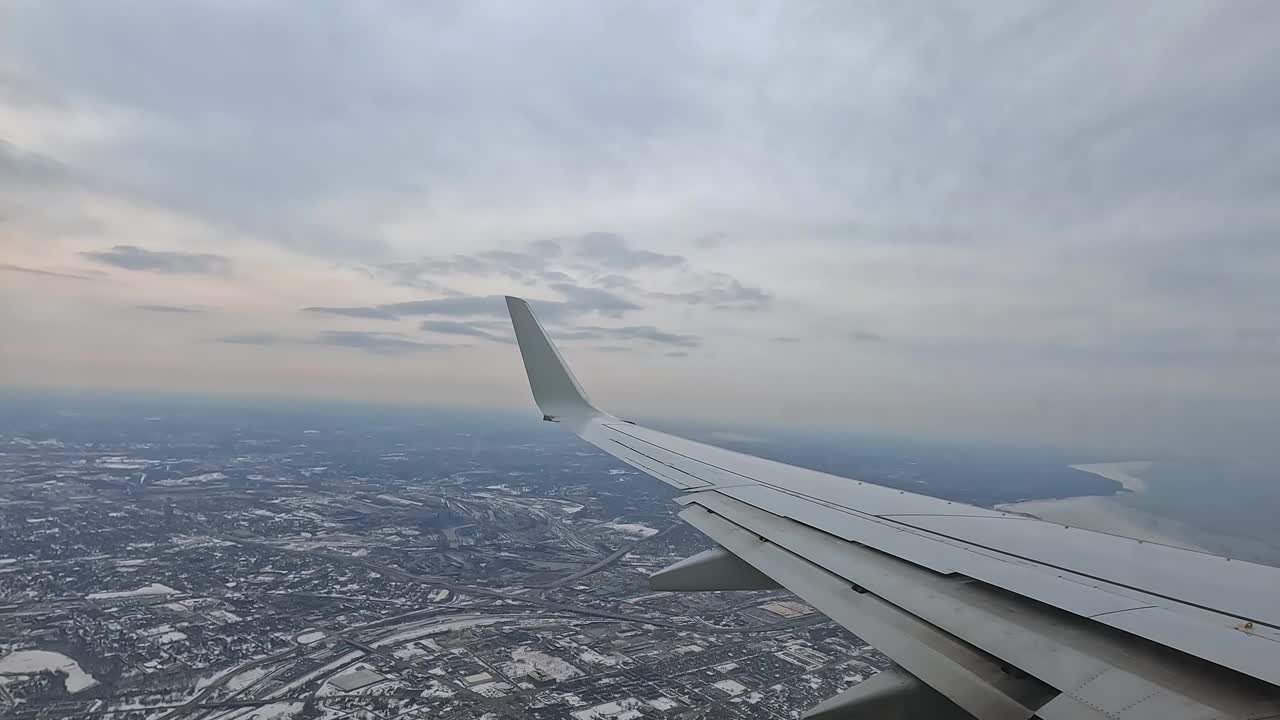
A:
[990,614]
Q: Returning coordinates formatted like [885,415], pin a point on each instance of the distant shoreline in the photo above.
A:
[1120,472]
[1103,513]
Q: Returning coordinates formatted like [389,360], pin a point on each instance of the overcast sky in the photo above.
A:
[1046,222]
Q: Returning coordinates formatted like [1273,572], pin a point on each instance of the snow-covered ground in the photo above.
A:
[526,661]
[246,678]
[439,628]
[319,673]
[436,689]
[663,703]
[152,589]
[733,687]
[309,637]
[418,648]
[33,661]
[591,656]
[206,680]
[492,689]
[625,709]
[203,477]
[635,529]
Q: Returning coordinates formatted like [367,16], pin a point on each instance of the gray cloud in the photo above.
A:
[368,313]
[615,282]
[471,329]
[6,267]
[132,257]
[374,342]
[721,292]
[545,248]
[407,274]
[463,306]
[633,332]
[677,353]
[524,264]
[578,301]
[610,251]
[716,290]
[486,317]
[593,252]
[20,169]
[786,339]
[172,309]
[252,339]
[604,302]
[554,276]
[865,336]
[710,240]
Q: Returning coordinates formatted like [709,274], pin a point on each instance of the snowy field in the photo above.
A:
[33,661]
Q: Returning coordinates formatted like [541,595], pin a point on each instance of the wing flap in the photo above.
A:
[1069,654]
[967,676]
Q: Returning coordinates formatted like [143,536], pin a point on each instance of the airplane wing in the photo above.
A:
[988,614]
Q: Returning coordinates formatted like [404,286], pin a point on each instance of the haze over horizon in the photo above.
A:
[1027,221]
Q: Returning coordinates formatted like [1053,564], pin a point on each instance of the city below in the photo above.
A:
[230,564]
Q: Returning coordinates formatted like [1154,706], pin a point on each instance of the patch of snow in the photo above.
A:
[733,687]
[438,689]
[625,709]
[663,702]
[203,477]
[525,661]
[495,689]
[246,678]
[440,628]
[152,589]
[591,656]
[225,616]
[636,529]
[321,672]
[399,501]
[170,637]
[33,661]
[207,680]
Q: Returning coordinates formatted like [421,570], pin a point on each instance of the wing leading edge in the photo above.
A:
[1002,615]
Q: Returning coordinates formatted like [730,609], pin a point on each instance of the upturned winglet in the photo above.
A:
[555,389]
